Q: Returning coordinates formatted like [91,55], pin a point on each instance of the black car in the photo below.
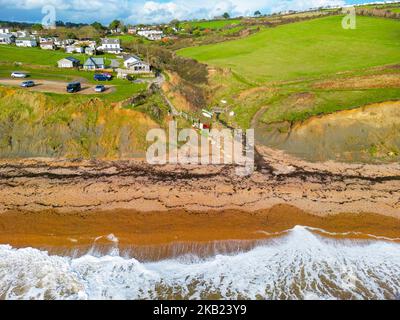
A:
[73,87]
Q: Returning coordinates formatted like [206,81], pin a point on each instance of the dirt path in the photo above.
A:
[55,86]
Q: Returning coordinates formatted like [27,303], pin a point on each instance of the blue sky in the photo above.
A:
[144,11]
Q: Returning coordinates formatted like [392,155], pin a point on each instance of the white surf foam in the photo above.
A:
[298,265]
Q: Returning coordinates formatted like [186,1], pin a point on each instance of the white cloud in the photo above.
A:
[153,11]
[35,4]
[149,11]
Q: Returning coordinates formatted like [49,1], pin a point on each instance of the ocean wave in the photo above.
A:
[297,265]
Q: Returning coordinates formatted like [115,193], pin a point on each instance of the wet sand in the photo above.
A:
[156,232]
[65,205]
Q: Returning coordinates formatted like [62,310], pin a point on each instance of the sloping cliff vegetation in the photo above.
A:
[42,125]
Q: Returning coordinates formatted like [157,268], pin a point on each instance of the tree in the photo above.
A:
[115,24]
[37,27]
[175,23]
[257,13]
[98,26]
[87,32]
[226,15]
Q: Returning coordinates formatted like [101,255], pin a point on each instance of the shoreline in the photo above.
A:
[104,185]
[159,235]
[71,206]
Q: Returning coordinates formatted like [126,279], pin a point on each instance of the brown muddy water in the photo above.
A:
[282,253]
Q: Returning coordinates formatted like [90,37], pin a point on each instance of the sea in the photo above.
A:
[300,263]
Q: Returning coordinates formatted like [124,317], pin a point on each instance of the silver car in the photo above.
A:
[27,84]
[18,75]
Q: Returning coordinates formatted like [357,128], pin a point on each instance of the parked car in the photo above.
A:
[108,75]
[100,88]
[101,77]
[27,84]
[18,75]
[73,87]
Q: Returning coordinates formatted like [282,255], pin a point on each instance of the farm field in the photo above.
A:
[214,24]
[305,49]
[290,73]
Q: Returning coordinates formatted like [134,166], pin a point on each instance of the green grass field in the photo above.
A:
[214,24]
[271,67]
[38,56]
[311,48]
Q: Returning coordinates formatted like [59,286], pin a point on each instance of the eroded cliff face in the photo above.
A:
[370,134]
[38,125]
[324,188]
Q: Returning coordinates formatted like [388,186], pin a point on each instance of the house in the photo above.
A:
[110,45]
[90,51]
[6,38]
[68,62]
[4,30]
[22,33]
[48,45]
[43,39]
[63,43]
[133,65]
[94,64]
[132,30]
[116,30]
[151,34]
[114,64]
[74,48]
[26,42]
[130,60]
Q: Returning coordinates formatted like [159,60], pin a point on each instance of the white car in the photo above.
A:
[18,75]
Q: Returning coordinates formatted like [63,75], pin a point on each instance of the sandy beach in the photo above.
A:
[60,204]
[84,186]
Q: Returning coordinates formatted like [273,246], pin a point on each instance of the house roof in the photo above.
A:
[26,39]
[130,56]
[94,62]
[140,62]
[72,59]
[114,63]
[6,35]
[110,41]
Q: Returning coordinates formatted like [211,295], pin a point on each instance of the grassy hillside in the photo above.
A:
[276,65]
[310,48]
[35,124]
[39,56]
[213,24]
[280,77]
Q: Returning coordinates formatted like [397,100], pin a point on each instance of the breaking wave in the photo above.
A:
[299,264]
